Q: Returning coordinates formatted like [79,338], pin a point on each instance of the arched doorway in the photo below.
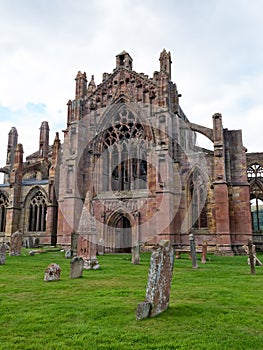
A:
[118,237]
[123,236]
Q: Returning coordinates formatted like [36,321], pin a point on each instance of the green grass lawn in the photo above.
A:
[218,306]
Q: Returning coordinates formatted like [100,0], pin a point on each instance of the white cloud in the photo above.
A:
[216,47]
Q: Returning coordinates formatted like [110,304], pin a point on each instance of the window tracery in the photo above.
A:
[37,212]
[197,189]
[255,178]
[3,205]
[254,171]
[124,154]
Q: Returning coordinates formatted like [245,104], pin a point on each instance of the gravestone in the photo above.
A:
[87,235]
[52,273]
[68,254]
[87,250]
[204,252]
[76,267]
[136,253]
[30,242]
[159,282]
[16,243]
[74,243]
[101,246]
[193,251]
[36,243]
[2,253]
[252,260]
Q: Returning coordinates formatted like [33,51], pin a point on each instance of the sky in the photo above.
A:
[216,48]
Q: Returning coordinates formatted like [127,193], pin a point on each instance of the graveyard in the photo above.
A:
[218,305]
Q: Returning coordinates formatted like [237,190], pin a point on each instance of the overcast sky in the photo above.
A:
[216,48]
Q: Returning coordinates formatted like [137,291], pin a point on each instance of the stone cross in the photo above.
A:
[193,250]
[159,282]
[16,243]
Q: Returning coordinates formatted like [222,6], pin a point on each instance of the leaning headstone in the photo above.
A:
[76,267]
[136,253]
[193,251]
[204,251]
[159,282]
[16,243]
[52,273]
[2,253]
[101,246]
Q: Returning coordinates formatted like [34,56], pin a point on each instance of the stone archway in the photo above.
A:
[118,235]
[123,239]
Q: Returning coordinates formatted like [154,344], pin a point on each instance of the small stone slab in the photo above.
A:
[52,273]
[143,310]
[16,243]
[101,247]
[136,253]
[2,254]
[68,254]
[76,267]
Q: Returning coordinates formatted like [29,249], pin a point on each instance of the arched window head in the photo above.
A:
[254,171]
[197,193]
[37,212]
[3,205]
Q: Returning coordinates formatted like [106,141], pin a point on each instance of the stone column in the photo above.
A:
[221,190]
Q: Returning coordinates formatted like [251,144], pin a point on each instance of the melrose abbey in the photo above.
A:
[128,169]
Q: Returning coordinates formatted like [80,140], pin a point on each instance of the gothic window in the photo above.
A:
[3,205]
[37,213]
[255,171]
[197,189]
[124,155]
[255,178]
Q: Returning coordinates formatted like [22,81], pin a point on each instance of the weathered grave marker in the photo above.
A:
[16,243]
[159,282]
[87,250]
[204,252]
[87,235]
[68,254]
[101,246]
[76,267]
[136,253]
[193,251]
[52,273]
[250,250]
[2,254]
[74,243]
